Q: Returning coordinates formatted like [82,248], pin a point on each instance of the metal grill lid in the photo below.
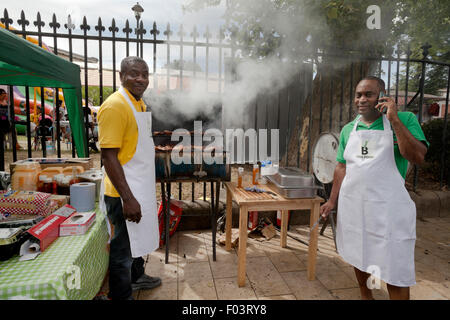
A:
[291,177]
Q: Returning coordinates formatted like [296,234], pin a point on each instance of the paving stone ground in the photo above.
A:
[280,273]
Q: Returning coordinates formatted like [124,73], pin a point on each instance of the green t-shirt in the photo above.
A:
[407,118]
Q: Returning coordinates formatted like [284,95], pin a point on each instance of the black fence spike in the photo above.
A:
[194,33]
[69,25]
[39,23]
[425,50]
[141,29]
[154,30]
[113,27]
[85,26]
[207,34]
[221,35]
[181,32]
[6,20]
[99,26]
[22,21]
[168,32]
[127,28]
[54,24]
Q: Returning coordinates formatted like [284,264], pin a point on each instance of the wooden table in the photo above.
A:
[251,201]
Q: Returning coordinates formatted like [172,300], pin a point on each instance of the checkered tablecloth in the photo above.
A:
[73,268]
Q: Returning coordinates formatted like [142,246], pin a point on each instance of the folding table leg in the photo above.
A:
[242,253]
[228,221]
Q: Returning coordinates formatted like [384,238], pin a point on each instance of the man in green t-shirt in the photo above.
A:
[376,216]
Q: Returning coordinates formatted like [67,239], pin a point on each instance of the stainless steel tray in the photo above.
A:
[295,193]
[291,177]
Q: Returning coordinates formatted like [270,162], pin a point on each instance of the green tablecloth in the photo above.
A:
[73,267]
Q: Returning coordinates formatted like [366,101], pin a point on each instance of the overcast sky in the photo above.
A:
[161,11]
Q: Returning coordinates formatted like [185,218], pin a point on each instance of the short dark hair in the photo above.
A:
[380,82]
[126,62]
[2,91]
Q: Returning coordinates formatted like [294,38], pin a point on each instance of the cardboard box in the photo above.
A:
[59,200]
[47,230]
[86,163]
[77,224]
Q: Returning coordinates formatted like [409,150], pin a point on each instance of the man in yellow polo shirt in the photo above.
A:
[130,198]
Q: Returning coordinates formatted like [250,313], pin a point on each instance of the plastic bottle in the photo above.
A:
[240,176]
[255,174]
[262,179]
[74,178]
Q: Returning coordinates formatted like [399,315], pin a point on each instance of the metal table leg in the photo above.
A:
[216,207]
[212,205]
[167,216]
[164,205]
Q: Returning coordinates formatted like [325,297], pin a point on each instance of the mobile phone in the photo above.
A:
[381,95]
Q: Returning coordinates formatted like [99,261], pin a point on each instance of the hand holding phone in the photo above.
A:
[383,109]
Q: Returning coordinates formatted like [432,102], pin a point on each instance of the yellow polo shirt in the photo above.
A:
[117,128]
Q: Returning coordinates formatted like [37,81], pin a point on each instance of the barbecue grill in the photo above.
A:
[168,172]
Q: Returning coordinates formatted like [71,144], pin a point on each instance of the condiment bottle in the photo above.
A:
[58,184]
[41,183]
[64,186]
[74,178]
[255,174]
[240,175]
[48,185]
[54,186]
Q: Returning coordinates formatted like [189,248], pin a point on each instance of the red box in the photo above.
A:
[47,230]
[252,220]
[174,220]
[279,217]
[77,224]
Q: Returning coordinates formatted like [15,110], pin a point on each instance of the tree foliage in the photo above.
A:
[263,26]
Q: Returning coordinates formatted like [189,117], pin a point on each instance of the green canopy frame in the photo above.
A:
[23,63]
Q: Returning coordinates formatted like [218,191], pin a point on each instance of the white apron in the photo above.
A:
[376,224]
[140,175]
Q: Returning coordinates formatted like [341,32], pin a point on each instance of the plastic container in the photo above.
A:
[267,168]
[255,174]
[240,176]
[70,170]
[56,182]
[10,241]
[52,171]
[48,185]
[64,186]
[25,177]
[41,183]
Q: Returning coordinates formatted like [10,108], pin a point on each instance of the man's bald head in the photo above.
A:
[130,61]
[134,75]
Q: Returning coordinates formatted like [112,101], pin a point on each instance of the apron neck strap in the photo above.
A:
[386,123]
[127,99]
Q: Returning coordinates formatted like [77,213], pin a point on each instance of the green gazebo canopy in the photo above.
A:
[23,63]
